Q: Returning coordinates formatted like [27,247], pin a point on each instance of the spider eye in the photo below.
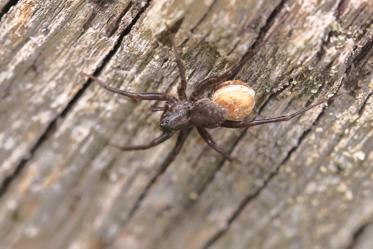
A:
[236,97]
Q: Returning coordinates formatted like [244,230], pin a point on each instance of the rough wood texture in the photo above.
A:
[306,183]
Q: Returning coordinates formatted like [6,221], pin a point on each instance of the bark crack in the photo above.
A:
[360,55]
[246,200]
[256,44]
[357,235]
[7,7]
[264,30]
[242,135]
[50,128]
[260,37]
[115,27]
[204,16]
[341,7]
[355,57]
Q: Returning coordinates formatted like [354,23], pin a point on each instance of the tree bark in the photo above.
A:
[305,183]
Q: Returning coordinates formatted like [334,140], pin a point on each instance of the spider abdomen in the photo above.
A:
[236,97]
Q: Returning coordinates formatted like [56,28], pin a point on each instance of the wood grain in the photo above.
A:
[305,183]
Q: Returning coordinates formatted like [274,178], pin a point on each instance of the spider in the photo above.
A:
[230,105]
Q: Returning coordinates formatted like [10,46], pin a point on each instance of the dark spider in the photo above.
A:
[182,113]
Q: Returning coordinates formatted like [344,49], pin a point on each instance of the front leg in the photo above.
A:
[181,90]
[209,140]
[162,138]
[133,95]
[215,80]
[183,134]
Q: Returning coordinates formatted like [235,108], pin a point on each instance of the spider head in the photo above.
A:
[175,117]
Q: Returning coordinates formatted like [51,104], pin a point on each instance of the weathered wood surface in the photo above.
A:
[306,183]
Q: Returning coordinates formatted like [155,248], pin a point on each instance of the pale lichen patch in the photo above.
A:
[43,117]
[312,30]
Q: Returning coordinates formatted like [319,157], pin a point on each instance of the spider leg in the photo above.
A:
[286,117]
[217,79]
[209,140]
[158,108]
[163,137]
[133,95]
[181,90]
[183,134]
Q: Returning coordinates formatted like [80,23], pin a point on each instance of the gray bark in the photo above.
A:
[306,183]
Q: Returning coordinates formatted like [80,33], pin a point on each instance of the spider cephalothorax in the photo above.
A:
[228,106]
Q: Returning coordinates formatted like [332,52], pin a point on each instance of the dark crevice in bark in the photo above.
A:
[152,181]
[19,167]
[112,29]
[182,44]
[246,200]
[356,236]
[88,22]
[220,164]
[356,57]
[363,106]
[271,175]
[252,50]
[50,128]
[7,7]
[363,52]
[325,41]
[101,3]
[199,192]
[242,135]
[197,25]
[163,168]
[264,30]
[359,57]
[7,84]
[359,53]
[204,16]
[341,7]
[218,167]
[119,41]
[256,44]
[341,135]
